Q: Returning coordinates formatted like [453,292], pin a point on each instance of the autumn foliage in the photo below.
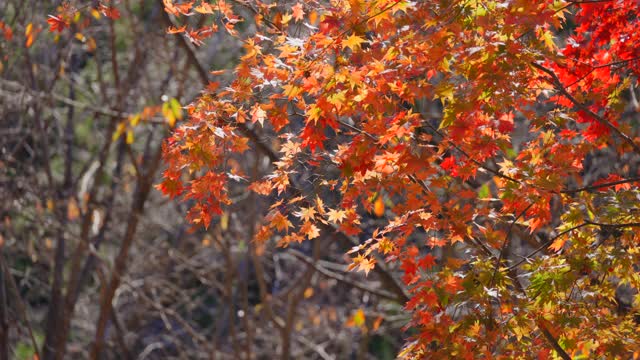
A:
[524,92]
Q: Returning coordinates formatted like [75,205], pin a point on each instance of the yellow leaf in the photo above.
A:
[547,37]
[306,214]
[30,35]
[286,18]
[224,221]
[130,137]
[95,13]
[168,114]
[352,42]
[357,319]
[291,91]
[308,292]
[134,120]
[336,216]
[176,108]
[364,263]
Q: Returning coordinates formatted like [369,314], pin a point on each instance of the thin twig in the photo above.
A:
[330,274]
[545,244]
[505,242]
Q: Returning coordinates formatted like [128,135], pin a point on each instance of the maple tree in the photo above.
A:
[344,87]
[465,126]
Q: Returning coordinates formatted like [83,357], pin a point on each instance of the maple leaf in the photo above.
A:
[310,230]
[279,221]
[363,263]
[385,163]
[261,187]
[366,264]
[448,163]
[306,214]
[258,114]
[452,284]
[558,244]
[57,23]
[298,12]
[435,241]
[353,42]
[320,205]
[313,137]
[410,269]
[263,234]
[427,262]
[336,216]
[171,184]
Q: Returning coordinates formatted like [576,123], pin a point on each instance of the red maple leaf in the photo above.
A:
[57,23]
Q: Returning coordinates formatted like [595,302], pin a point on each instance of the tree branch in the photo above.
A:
[555,81]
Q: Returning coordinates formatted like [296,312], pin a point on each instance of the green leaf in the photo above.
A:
[176,108]
[484,191]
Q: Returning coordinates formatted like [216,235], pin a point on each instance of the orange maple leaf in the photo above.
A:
[175,30]
[280,222]
[353,42]
[366,265]
[558,244]
[262,187]
[310,230]
[298,13]
[258,114]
